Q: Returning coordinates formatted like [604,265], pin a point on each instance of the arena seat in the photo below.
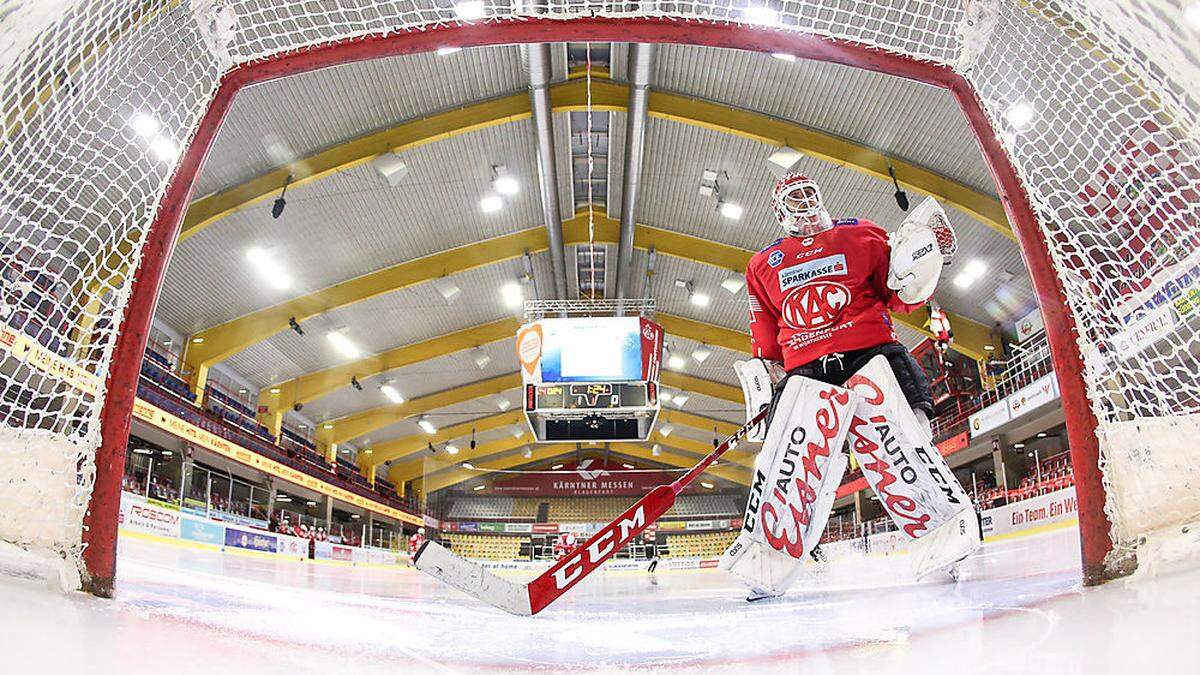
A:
[484,547]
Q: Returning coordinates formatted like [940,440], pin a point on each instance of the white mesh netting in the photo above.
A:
[1094,100]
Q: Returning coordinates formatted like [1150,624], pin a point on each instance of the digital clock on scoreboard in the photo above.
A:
[593,378]
[590,396]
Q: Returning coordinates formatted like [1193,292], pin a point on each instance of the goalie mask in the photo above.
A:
[798,206]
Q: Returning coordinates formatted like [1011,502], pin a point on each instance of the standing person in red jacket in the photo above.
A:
[829,365]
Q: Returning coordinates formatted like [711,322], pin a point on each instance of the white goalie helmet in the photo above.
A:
[798,206]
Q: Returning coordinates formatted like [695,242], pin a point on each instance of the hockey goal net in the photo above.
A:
[1085,109]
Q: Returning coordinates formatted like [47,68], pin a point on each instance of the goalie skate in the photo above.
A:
[946,546]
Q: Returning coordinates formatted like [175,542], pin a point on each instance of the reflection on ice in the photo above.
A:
[1017,608]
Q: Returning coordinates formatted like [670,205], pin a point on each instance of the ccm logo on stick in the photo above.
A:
[599,548]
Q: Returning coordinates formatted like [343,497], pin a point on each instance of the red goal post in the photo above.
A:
[1048,248]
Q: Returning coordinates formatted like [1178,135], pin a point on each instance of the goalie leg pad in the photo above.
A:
[898,457]
[796,476]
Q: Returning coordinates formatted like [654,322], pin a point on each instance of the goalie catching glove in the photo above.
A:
[922,244]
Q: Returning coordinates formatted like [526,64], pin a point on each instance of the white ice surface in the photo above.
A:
[1019,608]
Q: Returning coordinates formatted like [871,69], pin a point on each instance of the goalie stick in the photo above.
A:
[527,599]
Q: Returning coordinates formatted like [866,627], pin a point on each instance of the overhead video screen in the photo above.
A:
[607,349]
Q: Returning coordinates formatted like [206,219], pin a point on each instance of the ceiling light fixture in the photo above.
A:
[491,203]
[281,203]
[513,294]
[656,450]
[447,289]
[468,465]
[680,399]
[676,362]
[502,403]
[734,283]
[761,16]
[527,454]
[469,10]
[731,211]
[701,353]
[392,393]
[785,158]
[480,357]
[666,429]
[700,299]
[706,485]
[145,125]
[1021,115]
[503,182]
[477,488]
[446,51]
[556,467]
[451,449]
[390,168]
[782,56]
[164,149]
[269,269]
[344,345]
[426,425]
[976,268]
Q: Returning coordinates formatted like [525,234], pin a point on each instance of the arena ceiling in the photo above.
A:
[375,262]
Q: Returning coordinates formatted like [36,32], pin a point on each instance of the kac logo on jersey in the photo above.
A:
[775,258]
[815,306]
[797,275]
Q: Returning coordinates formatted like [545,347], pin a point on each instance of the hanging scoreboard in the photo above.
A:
[591,379]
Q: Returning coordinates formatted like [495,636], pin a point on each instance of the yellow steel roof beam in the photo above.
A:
[352,426]
[727,472]
[453,477]
[423,465]
[564,97]
[399,448]
[278,398]
[427,466]
[220,342]
[445,479]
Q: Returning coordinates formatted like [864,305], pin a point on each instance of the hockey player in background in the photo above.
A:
[415,541]
[564,544]
[828,362]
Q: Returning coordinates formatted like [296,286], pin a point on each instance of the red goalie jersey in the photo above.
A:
[816,295]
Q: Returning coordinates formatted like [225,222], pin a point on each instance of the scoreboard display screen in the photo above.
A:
[589,396]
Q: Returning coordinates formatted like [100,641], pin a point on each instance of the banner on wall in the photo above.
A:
[1029,325]
[252,541]
[586,478]
[202,531]
[989,418]
[1033,396]
[137,515]
[1034,512]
